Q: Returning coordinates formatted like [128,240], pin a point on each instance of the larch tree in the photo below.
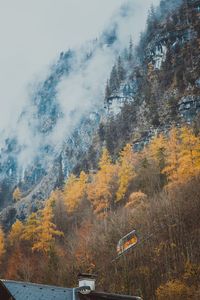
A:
[103,186]
[157,151]
[31,228]
[46,230]
[2,244]
[17,195]
[16,233]
[183,155]
[172,156]
[189,159]
[74,191]
[126,171]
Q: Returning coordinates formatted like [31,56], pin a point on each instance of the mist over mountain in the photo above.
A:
[56,105]
[100,164]
[114,89]
[72,79]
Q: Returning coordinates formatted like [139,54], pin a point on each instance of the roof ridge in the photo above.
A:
[34,284]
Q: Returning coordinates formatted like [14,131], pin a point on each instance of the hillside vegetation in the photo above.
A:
[155,191]
[135,165]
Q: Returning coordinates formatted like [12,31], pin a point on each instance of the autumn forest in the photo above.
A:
[154,191]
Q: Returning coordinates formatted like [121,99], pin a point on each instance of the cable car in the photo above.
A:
[127,242]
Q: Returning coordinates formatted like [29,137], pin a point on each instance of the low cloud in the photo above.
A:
[78,93]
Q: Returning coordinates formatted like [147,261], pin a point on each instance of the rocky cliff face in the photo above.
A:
[150,89]
[55,130]
[166,75]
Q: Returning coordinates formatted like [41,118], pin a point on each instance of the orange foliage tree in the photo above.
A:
[16,232]
[183,155]
[74,191]
[173,156]
[126,171]
[104,184]
[189,158]
[2,244]
[46,231]
[157,151]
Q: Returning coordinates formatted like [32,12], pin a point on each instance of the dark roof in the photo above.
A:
[93,295]
[31,291]
[86,275]
[4,292]
[16,290]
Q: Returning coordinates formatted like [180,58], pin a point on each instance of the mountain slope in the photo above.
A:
[150,88]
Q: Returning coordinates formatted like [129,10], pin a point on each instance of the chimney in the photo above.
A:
[87,280]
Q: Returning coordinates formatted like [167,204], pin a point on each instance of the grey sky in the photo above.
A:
[33,32]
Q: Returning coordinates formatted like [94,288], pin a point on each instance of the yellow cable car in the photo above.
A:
[127,242]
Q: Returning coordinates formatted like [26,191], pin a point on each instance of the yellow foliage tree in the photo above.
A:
[2,243]
[74,191]
[104,184]
[31,228]
[126,171]
[46,231]
[174,290]
[16,232]
[17,195]
[136,199]
[183,155]
[172,156]
[157,151]
[189,159]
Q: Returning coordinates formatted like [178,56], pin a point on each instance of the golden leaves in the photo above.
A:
[74,191]
[17,195]
[2,244]
[126,171]
[16,232]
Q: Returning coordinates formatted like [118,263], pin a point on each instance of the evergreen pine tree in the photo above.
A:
[130,52]
[114,80]
[120,70]
[107,90]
